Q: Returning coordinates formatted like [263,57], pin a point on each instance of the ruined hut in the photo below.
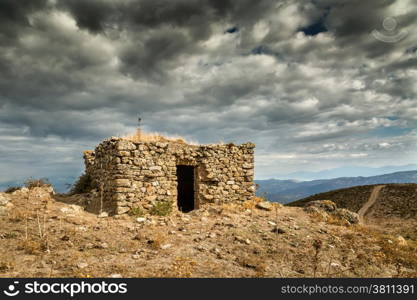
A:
[131,174]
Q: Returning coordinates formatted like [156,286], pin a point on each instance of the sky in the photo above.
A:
[316,84]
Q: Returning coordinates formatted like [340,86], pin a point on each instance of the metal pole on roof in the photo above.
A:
[139,130]
[139,122]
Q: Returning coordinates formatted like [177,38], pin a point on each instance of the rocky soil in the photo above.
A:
[47,235]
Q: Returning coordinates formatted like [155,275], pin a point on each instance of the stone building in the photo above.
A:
[140,174]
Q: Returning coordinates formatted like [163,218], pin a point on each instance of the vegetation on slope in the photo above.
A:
[397,200]
[350,198]
[394,200]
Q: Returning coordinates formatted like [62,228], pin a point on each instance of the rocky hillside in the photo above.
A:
[42,235]
[394,200]
[352,198]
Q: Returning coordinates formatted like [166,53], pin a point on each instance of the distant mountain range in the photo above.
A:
[347,171]
[286,191]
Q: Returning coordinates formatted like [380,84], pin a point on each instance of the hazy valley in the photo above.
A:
[285,191]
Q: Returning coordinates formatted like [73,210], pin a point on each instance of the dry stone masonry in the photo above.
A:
[140,174]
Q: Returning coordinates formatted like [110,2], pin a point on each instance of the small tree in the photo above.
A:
[82,185]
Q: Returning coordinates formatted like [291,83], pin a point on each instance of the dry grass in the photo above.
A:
[32,183]
[182,267]
[158,239]
[140,136]
[218,240]
[6,265]
[250,204]
[390,251]
[31,246]
[337,220]
[253,261]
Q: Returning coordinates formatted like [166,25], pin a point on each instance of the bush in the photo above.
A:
[32,183]
[12,189]
[161,208]
[82,185]
[136,211]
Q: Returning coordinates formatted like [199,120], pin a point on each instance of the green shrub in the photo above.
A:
[82,185]
[136,211]
[161,208]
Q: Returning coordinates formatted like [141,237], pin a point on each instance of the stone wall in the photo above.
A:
[137,174]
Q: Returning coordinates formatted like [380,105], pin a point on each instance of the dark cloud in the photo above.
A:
[355,18]
[92,15]
[176,26]
[305,80]
[14,15]
[151,57]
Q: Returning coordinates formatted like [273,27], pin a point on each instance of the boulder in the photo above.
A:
[166,246]
[140,220]
[3,211]
[103,214]
[208,197]
[4,199]
[401,241]
[122,209]
[265,205]
[72,209]
[324,208]
[278,230]
[82,265]
[23,190]
[4,204]
[326,205]
[40,192]
[345,214]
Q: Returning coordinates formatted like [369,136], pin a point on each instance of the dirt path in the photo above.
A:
[371,201]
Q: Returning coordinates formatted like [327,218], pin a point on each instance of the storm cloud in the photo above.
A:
[307,81]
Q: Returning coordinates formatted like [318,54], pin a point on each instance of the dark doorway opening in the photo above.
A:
[185,189]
